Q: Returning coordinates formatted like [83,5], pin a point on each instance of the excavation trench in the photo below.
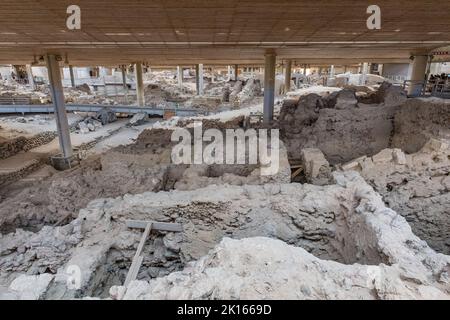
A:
[321,221]
[158,261]
[133,169]
[211,202]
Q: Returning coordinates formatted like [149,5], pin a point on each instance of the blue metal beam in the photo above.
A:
[94,108]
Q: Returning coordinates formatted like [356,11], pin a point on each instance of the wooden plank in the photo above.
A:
[137,260]
[163,226]
[134,270]
[297,172]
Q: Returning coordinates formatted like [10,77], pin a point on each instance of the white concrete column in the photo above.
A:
[269,86]
[332,71]
[363,77]
[30,77]
[419,68]
[229,73]
[72,76]
[236,72]
[287,76]
[103,71]
[199,78]
[180,76]
[212,75]
[304,70]
[56,90]
[139,85]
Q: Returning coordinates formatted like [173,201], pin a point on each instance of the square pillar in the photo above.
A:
[180,76]
[364,70]
[418,75]
[123,70]
[199,78]
[30,77]
[269,86]
[56,90]
[332,71]
[365,67]
[236,72]
[72,76]
[139,85]
[287,76]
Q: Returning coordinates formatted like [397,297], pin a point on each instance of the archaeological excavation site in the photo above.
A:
[224,150]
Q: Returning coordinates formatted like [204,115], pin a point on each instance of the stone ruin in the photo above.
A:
[369,220]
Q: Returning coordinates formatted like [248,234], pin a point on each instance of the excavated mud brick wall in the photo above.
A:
[12,147]
[419,120]
[6,178]
[342,130]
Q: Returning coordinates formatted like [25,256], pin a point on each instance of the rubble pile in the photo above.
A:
[92,123]
[12,92]
[164,95]
[419,120]
[387,94]
[252,88]
[143,166]
[61,196]
[346,222]
[244,92]
[139,119]
[89,124]
[416,185]
[209,103]
[343,127]
[336,125]
[215,88]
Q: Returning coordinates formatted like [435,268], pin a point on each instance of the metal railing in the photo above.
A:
[22,109]
[415,88]
[440,88]
[436,88]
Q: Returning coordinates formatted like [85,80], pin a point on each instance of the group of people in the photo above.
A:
[437,82]
[439,77]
